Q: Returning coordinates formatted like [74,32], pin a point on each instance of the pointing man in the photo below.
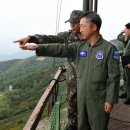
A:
[66,37]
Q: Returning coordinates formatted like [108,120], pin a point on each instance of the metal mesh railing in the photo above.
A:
[54,120]
[58,118]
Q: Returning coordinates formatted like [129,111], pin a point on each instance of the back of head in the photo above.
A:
[128,25]
[93,17]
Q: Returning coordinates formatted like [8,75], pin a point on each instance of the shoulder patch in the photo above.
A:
[116,55]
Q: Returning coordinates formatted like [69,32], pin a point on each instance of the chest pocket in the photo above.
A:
[99,73]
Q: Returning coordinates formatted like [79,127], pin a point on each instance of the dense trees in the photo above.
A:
[28,78]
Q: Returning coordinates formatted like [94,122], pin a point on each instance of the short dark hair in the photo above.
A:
[128,25]
[93,17]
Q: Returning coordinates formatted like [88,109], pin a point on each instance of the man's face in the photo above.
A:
[75,27]
[127,32]
[87,28]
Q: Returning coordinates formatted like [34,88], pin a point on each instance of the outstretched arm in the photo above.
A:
[44,39]
[61,37]
[53,50]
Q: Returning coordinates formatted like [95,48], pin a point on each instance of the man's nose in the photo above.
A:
[80,30]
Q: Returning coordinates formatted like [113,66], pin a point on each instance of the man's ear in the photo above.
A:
[94,27]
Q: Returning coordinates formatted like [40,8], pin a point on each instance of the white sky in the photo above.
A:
[19,18]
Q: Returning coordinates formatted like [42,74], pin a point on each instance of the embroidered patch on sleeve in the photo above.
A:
[116,55]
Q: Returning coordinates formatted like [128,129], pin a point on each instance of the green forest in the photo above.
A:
[22,83]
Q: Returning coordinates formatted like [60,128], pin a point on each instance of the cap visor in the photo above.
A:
[67,21]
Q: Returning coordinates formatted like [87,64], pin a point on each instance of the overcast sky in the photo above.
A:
[19,18]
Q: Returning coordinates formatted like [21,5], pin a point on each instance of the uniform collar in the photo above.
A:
[97,43]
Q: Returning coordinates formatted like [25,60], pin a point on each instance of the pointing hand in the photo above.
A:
[22,41]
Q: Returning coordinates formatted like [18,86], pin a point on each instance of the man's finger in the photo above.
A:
[16,41]
[24,42]
[23,47]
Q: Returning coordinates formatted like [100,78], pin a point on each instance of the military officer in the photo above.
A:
[97,69]
[124,39]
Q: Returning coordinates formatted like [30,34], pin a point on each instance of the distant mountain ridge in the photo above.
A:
[18,55]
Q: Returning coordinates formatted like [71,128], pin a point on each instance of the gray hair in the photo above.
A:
[93,17]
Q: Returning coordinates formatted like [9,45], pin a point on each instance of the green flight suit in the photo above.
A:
[98,77]
[126,71]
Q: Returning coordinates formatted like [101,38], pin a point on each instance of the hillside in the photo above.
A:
[22,82]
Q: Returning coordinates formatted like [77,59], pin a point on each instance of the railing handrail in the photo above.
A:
[38,110]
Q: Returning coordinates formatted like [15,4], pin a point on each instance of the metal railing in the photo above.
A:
[48,98]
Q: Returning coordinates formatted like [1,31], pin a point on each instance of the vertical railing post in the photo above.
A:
[85,5]
[90,5]
[96,5]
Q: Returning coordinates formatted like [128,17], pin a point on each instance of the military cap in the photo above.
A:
[75,16]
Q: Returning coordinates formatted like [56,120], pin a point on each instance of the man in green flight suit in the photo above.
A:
[97,69]
[66,37]
[124,37]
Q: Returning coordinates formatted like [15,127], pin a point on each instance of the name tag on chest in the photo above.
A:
[82,53]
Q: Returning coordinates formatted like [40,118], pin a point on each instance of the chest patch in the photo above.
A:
[99,55]
[82,53]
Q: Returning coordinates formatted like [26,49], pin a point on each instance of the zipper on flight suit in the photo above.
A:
[89,57]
